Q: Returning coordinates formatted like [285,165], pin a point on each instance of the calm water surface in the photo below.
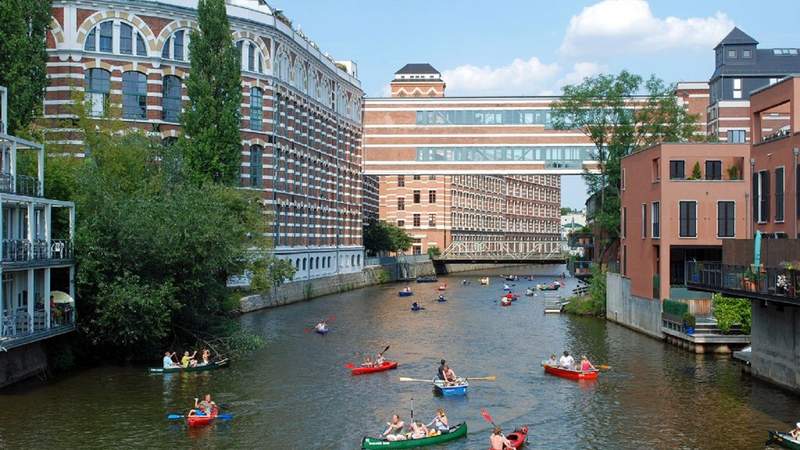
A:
[296,394]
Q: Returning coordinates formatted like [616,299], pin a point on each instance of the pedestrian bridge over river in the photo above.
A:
[502,252]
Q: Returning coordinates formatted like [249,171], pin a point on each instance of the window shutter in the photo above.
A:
[754,194]
[766,195]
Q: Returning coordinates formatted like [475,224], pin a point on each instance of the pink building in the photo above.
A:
[679,202]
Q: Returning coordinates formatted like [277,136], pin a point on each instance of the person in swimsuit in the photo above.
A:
[395,430]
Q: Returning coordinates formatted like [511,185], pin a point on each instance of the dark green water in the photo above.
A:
[296,394]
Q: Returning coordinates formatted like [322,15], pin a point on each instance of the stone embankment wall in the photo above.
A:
[640,314]
[775,353]
[306,290]
[23,362]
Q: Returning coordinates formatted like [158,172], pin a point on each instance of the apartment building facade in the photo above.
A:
[476,213]
[301,110]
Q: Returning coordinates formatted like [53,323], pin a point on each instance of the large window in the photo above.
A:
[256,153]
[431,220]
[416,218]
[656,213]
[401,203]
[171,100]
[779,194]
[416,196]
[129,40]
[688,219]
[97,87]
[713,170]
[256,105]
[761,184]
[726,219]
[737,136]
[431,196]
[134,95]
[176,45]
[677,170]
[644,220]
[251,57]
[483,117]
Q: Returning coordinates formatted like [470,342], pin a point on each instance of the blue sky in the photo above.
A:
[519,47]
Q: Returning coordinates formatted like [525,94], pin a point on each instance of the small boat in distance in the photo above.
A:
[570,374]
[427,279]
[449,390]
[200,368]
[361,370]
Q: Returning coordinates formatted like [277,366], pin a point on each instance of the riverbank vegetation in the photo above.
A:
[381,237]
[730,311]
[593,303]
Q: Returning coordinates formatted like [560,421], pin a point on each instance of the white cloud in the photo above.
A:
[520,77]
[623,26]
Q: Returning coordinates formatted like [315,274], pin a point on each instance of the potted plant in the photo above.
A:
[689,322]
[733,172]
[750,280]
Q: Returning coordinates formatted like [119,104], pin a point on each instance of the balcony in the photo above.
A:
[18,327]
[36,252]
[20,185]
[771,284]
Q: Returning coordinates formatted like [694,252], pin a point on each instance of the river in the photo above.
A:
[296,394]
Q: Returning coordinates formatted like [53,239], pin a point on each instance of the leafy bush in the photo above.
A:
[696,173]
[434,251]
[733,172]
[597,289]
[730,311]
[675,308]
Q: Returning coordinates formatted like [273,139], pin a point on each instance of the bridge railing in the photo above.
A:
[504,249]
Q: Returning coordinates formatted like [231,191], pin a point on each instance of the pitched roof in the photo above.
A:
[417,68]
[767,63]
[737,37]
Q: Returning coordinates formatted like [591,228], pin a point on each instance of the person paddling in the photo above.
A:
[206,406]
[796,432]
[321,326]
[168,362]
[586,366]
[498,441]
[395,430]
[439,424]
[188,360]
[449,375]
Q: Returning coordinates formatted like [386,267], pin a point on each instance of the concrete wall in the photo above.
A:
[444,269]
[23,362]
[640,314]
[307,289]
[776,350]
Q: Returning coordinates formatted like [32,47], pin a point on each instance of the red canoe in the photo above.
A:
[517,438]
[387,365]
[571,374]
[194,420]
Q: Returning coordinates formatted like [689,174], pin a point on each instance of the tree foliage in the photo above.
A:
[620,114]
[381,237]
[23,58]
[730,311]
[212,145]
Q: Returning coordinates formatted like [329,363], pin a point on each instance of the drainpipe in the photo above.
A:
[757,207]
[796,152]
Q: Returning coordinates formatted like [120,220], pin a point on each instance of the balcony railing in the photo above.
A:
[22,185]
[18,327]
[23,250]
[769,283]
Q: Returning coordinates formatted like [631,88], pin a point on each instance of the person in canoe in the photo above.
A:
[449,375]
[206,406]
[566,361]
[395,430]
[586,366]
[498,441]
[440,372]
[439,424]
[506,287]
[206,356]
[441,298]
[379,360]
[407,289]
[367,362]
[552,361]
[170,363]
[189,360]
[321,327]
[795,434]
[418,430]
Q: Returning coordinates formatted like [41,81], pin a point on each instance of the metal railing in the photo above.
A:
[503,249]
[19,323]
[22,185]
[22,250]
[775,282]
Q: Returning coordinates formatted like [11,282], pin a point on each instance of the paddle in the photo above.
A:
[603,367]
[489,378]
[415,379]
[176,416]
[487,417]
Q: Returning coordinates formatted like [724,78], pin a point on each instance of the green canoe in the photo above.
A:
[456,432]
[783,439]
[209,366]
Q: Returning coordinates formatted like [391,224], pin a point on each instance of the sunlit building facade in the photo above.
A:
[301,110]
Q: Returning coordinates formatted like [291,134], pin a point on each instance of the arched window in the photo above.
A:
[317,262]
[304,264]
[256,108]
[329,262]
[300,79]
[352,260]
[251,57]
[313,86]
[97,87]
[358,260]
[297,263]
[256,164]
[177,46]
[171,99]
[128,39]
[134,95]
[282,66]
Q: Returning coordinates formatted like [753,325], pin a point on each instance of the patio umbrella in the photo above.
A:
[61,297]
[757,251]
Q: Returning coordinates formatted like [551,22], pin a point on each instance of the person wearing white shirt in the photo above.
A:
[566,361]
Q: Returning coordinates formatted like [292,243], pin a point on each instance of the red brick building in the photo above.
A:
[301,110]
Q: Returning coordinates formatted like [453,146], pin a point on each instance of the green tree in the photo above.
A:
[381,237]
[696,173]
[620,114]
[211,145]
[23,58]
[434,251]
